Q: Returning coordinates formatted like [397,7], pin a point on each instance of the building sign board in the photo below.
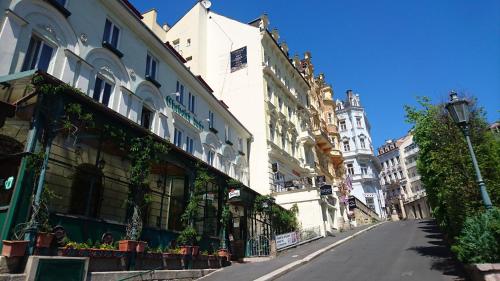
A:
[234,193]
[238,59]
[352,202]
[181,110]
[286,240]
[326,189]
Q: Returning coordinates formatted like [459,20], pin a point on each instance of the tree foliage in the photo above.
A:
[445,165]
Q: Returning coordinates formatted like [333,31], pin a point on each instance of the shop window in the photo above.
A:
[38,55]
[102,91]
[86,191]
[177,203]
[206,222]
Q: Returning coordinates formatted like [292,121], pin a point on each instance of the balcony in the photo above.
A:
[306,136]
[332,129]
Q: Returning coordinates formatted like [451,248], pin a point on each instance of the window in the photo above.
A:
[342,126]
[289,109]
[189,145]
[178,137]
[179,88]
[362,142]
[191,102]
[227,133]
[188,42]
[240,144]
[210,157]
[151,67]
[102,91]
[358,122]
[38,55]
[293,148]
[280,103]
[86,191]
[146,117]
[364,169]
[271,131]
[111,34]
[392,162]
[330,118]
[211,119]
[346,146]
[350,169]
[269,92]
[283,140]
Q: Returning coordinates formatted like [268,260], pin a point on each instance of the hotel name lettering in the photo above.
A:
[179,109]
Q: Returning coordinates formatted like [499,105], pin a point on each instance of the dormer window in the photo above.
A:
[38,55]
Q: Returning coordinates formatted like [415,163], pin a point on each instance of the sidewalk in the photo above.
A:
[252,271]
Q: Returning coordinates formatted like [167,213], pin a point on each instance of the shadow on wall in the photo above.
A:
[442,258]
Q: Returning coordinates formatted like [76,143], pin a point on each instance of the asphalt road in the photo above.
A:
[405,250]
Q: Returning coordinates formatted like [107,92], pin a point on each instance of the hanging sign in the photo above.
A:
[352,202]
[234,193]
[7,183]
[326,189]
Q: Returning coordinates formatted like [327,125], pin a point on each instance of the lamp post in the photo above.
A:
[459,112]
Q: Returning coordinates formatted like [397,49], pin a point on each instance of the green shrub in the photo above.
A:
[479,241]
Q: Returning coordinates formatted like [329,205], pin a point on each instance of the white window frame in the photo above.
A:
[178,137]
[102,89]
[30,62]
[192,102]
[152,66]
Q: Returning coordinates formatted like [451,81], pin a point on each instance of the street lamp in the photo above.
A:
[459,112]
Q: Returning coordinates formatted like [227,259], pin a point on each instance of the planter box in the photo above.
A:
[127,245]
[44,239]
[99,260]
[141,246]
[200,262]
[173,261]
[484,271]
[149,261]
[14,248]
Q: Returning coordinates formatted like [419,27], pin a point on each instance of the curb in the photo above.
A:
[287,268]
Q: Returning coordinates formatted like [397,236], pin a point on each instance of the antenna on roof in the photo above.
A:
[206,3]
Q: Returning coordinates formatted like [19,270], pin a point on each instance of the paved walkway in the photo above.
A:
[252,271]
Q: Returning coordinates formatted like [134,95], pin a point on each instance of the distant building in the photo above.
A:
[403,191]
[360,162]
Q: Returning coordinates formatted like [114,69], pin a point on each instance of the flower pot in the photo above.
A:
[44,239]
[127,245]
[224,253]
[195,250]
[14,248]
[141,246]
[185,250]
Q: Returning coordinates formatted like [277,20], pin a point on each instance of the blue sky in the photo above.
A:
[388,51]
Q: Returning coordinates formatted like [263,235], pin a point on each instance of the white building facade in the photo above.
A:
[251,71]
[361,165]
[403,190]
[111,56]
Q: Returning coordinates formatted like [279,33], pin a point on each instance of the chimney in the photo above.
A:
[284,47]
[264,22]
[275,34]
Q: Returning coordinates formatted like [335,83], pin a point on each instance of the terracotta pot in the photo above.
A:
[141,246]
[44,239]
[195,250]
[127,245]
[185,250]
[224,253]
[14,248]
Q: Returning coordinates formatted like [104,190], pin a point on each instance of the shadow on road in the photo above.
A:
[435,248]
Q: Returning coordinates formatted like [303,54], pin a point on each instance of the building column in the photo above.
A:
[9,36]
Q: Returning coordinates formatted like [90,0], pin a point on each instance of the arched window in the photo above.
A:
[86,191]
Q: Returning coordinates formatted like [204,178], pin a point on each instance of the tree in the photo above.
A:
[445,165]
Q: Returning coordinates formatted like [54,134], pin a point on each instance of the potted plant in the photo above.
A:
[44,234]
[188,239]
[225,218]
[134,228]
[16,247]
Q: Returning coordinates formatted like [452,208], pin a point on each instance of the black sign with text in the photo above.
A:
[352,202]
[326,190]
[238,59]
